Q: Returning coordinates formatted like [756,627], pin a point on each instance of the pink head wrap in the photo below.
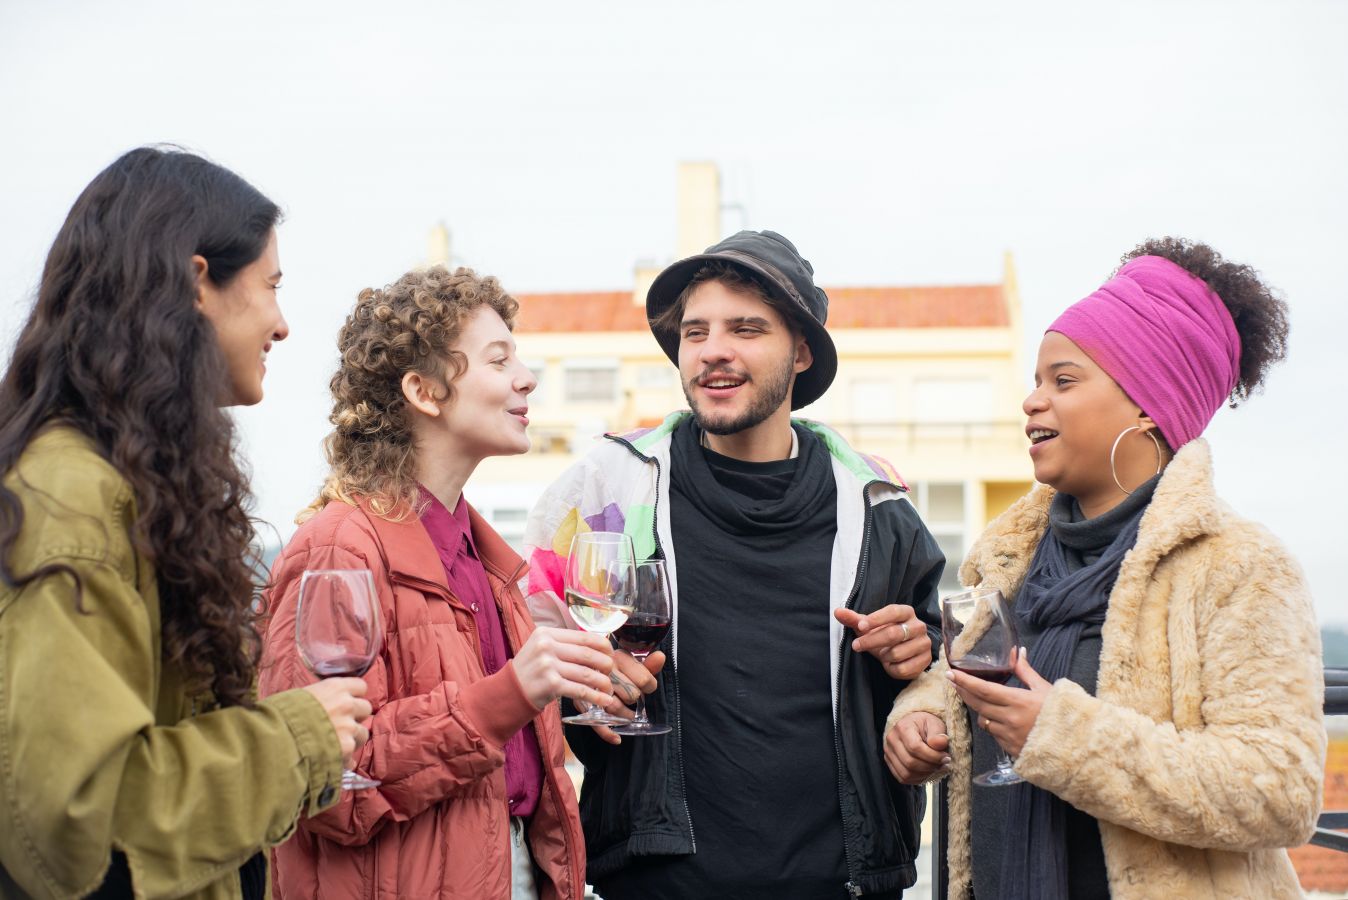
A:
[1165,337]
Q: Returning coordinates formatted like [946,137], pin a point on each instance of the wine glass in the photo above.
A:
[642,633]
[600,577]
[979,634]
[337,631]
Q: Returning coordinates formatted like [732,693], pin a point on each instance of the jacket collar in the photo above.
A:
[1184,507]
[648,442]
[409,553]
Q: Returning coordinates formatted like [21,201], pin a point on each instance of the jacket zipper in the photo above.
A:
[549,775]
[672,682]
[853,888]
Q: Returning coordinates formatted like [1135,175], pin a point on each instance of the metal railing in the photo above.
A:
[1330,831]
[564,435]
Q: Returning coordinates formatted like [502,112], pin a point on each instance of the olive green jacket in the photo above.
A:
[102,747]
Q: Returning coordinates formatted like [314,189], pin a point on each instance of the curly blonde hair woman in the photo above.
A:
[465,739]
[409,327]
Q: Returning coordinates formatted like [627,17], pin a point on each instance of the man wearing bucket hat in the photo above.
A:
[795,569]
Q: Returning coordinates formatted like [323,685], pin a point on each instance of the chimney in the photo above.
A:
[699,207]
[437,246]
[699,220]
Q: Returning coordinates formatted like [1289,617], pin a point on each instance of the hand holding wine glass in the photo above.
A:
[560,662]
[600,580]
[337,632]
[343,699]
[980,639]
[642,633]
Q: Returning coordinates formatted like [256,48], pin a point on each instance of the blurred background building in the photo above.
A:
[929,377]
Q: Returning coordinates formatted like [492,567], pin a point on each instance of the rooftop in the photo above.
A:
[947,306]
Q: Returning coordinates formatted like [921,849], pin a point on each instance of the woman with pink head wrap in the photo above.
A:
[1166,710]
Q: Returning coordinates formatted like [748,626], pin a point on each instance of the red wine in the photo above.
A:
[349,665]
[638,636]
[999,674]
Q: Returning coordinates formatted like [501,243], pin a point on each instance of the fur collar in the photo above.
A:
[1184,507]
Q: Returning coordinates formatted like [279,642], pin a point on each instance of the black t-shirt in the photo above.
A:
[753,548]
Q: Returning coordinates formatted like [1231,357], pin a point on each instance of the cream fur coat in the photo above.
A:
[1203,752]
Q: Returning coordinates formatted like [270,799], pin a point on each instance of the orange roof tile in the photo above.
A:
[955,306]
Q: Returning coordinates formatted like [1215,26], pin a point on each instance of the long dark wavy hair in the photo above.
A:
[116,348]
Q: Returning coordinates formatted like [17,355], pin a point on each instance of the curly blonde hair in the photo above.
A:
[408,326]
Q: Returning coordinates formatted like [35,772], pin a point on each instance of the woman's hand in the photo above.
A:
[915,748]
[561,662]
[344,701]
[1006,713]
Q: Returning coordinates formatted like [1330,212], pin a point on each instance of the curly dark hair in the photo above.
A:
[1259,313]
[116,348]
[408,326]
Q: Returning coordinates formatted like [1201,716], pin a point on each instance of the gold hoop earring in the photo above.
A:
[1160,458]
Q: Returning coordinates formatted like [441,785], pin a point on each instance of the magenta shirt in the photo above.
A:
[453,540]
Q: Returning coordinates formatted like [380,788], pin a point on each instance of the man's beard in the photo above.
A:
[772,394]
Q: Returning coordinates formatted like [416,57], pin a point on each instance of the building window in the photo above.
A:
[655,376]
[591,384]
[952,399]
[941,505]
[538,368]
[509,524]
[872,401]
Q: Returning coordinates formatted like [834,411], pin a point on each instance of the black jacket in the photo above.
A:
[633,796]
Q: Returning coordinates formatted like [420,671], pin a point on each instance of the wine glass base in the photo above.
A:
[352,781]
[641,729]
[596,717]
[997,778]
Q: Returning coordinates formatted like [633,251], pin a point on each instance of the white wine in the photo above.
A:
[595,615]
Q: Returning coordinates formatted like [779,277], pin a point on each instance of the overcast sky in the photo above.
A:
[895,143]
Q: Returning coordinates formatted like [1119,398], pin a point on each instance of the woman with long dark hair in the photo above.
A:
[133,754]
[1166,717]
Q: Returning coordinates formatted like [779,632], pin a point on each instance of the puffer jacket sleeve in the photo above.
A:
[84,769]
[424,748]
[1250,776]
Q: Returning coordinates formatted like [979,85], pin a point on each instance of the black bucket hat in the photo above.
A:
[786,273]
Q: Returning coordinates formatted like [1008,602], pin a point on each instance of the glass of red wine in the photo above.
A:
[646,626]
[337,631]
[980,639]
[599,583]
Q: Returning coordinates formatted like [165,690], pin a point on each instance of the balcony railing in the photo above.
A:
[948,436]
[565,436]
[1330,830]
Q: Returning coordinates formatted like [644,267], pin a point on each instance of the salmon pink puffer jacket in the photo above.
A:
[439,825]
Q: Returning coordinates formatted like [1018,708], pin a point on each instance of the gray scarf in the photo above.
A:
[1059,603]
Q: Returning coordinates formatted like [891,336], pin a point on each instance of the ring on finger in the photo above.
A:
[904,626]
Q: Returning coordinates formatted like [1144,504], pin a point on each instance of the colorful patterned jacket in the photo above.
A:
[882,554]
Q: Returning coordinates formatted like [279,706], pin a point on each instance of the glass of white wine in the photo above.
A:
[600,579]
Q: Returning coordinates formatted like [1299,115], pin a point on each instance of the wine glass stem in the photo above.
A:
[640,707]
[1004,762]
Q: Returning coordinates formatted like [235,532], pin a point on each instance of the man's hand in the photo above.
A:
[630,678]
[892,634]
[916,748]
